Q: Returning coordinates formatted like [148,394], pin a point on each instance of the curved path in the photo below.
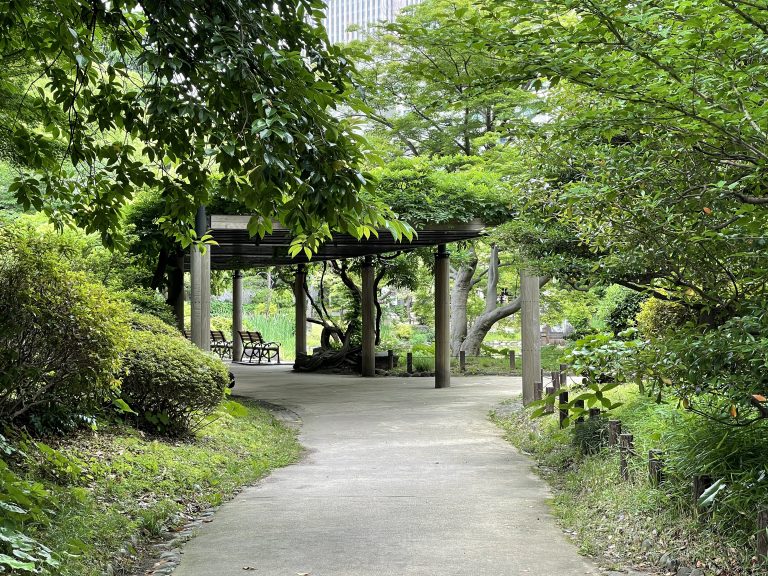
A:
[399,479]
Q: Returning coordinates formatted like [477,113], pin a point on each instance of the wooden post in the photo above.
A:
[512,362]
[550,406]
[762,535]
[301,310]
[699,486]
[655,467]
[390,359]
[369,319]
[531,333]
[614,431]
[563,401]
[462,361]
[626,445]
[442,318]
[409,363]
[563,375]
[237,314]
[538,388]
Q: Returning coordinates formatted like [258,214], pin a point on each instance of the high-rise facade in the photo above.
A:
[341,14]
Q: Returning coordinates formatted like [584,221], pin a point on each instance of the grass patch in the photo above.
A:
[634,523]
[117,484]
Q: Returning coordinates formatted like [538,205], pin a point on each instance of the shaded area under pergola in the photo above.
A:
[237,250]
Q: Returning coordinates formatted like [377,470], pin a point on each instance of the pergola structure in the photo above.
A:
[237,250]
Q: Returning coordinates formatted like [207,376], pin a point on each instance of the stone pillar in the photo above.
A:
[369,320]
[442,318]
[200,269]
[237,314]
[301,310]
[531,333]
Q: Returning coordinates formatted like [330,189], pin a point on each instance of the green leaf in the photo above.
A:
[15,564]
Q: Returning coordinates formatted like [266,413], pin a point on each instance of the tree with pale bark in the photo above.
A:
[447,135]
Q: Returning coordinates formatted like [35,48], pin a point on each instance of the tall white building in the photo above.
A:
[341,14]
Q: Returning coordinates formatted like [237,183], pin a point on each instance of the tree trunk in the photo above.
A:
[462,284]
[491,290]
[159,275]
[176,287]
[483,323]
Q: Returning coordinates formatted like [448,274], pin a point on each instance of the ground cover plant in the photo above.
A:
[634,522]
[75,502]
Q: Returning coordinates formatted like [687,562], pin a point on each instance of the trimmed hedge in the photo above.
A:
[60,335]
[171,385]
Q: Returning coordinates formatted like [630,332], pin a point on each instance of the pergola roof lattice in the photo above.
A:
[236,249]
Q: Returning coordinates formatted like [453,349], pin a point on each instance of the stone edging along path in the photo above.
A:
[161,556]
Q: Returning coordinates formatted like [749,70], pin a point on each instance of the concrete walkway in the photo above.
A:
[399,479]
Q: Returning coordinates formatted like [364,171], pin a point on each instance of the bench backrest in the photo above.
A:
[253,337]
[218,336]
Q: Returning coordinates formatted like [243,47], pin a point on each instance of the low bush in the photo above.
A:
[146,301]
[60,335]
[645,521]
[657,318]
[622,316]
[170,385]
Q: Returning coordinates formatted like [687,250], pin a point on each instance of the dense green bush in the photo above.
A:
[148,323]
[147,301]
[657,317]
[716,370]
[171,385]
[622,316]
[60,335]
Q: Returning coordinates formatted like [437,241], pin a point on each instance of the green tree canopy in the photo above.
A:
[649,169]
[183,98]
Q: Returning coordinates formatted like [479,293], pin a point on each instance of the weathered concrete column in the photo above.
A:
[531,333]
[237,314]
[369,320]
[301,310]
[200,271]
[442,318]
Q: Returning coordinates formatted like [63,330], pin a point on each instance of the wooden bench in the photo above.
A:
[254,346]
[220,345]
[186,333]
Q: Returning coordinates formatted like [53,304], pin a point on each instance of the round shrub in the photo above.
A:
[148,323]
[60,335]
[170,384]
[147,301]
[657,317]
